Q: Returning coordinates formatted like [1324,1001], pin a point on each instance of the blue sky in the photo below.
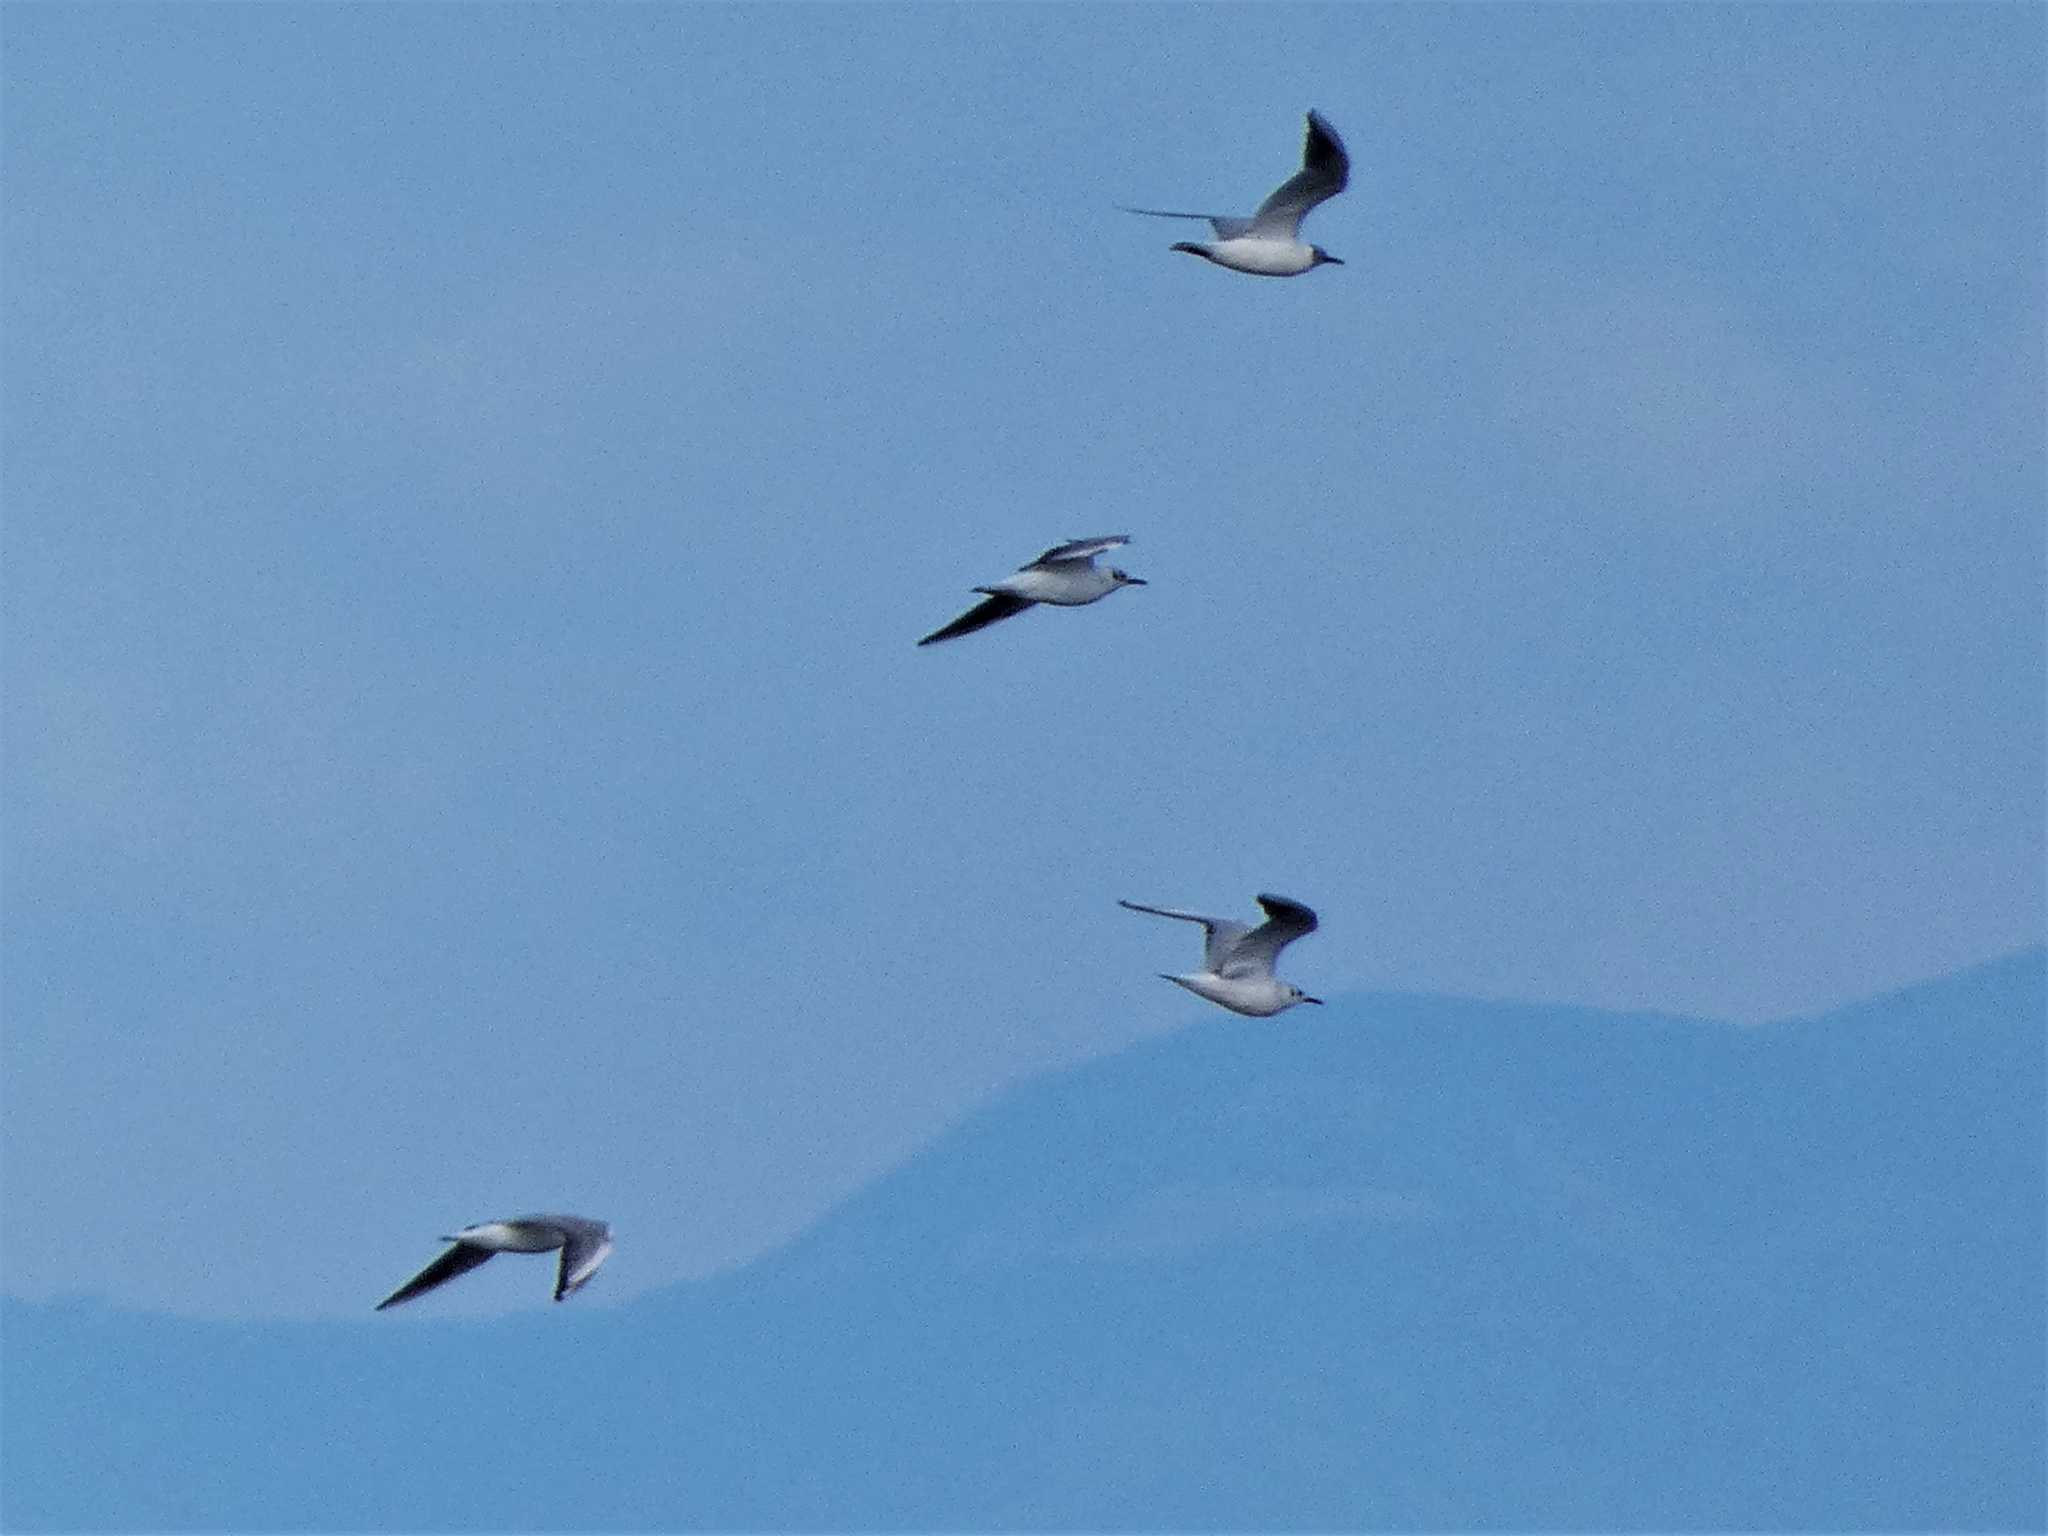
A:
[474,477]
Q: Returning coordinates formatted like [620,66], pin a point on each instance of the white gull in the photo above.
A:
[1269,243]
[1065,575]
[584,1244]
[1237,959]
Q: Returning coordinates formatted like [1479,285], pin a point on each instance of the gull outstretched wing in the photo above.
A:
[1227,226]
[999,606]
[1221,937]
[1080,549]
[1255,953]
[586,1245]
[459,1260]
[1325,171]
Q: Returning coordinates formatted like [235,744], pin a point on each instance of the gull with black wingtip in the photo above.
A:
[584,1244]
[1269,243]
[1065,576]
[1237,959]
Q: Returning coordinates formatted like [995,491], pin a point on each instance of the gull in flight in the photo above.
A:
[1065,575]
[1269,243]
[1237,959]
[584,1245]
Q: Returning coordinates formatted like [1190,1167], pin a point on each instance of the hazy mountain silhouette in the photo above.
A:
[1406,1262]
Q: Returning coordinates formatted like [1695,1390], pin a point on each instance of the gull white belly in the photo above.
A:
[1065,589]
[1258,997]
[1262,258]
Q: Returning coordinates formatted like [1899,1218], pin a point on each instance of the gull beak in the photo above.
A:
[1134,581]
[1316,1000]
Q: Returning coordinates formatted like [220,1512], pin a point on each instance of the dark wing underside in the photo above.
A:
[1080,549]
[980,616]
[584,1248]
[1290,916]
[1325,171]
[459,1260]
[1256,952]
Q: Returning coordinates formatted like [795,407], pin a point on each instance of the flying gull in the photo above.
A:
[1269,243]
[1065,575]
[1237,960]
[584,1245]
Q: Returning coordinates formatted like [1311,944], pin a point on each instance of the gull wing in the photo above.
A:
[1227,226]
[1325,171]
[999,605]
[1255,953]
[1080,549]
[459,1260]
[585,1245]
[1221,936]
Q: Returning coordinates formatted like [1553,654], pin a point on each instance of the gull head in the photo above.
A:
[1125,578]
[1319,257]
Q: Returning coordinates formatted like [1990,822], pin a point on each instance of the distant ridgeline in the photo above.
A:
[1405,1262]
